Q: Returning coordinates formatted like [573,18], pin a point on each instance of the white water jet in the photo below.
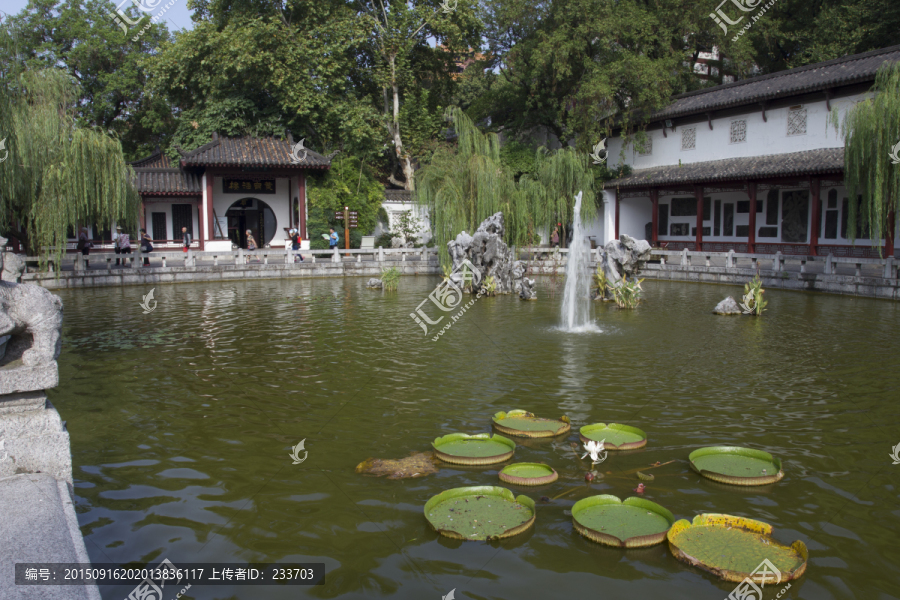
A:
[576,305]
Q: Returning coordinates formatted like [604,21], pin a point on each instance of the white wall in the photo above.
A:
[164,205]
[394,209]
[279,202]
[763,138]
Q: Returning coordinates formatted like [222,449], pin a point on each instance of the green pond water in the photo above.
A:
[182,422]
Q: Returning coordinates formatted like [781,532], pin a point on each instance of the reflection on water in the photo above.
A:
[182,422]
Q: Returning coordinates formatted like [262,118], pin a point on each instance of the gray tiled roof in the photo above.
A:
[857,68]
[248,151]
[810,162]
[157,160]
[168,182]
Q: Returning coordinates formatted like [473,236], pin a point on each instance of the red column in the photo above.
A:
[301,194]
[617,214]
[751,238]
[210,232]
[815,224]
[654,217]
[698,192]
[199,227]
[889,238]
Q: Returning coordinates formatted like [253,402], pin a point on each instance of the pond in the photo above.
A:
[182,421]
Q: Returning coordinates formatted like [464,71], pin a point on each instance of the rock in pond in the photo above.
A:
[728,306]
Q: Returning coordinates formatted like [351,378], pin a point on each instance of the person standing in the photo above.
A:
[333,238]
[146,246]
[554,238]
[185,239]
[123,245]
[296,242]
[84,244]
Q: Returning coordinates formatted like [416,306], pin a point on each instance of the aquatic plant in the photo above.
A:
[390,278]
[601,282]
[627,295]
[489,286]
[752,303]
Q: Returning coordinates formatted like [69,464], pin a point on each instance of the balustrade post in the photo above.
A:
[108,263]
[265,258]
[164,261]
[403,257]
[708,257]
[729,260]
[381,254]
[215,260]
[336,258]
[359,258]
[889,267]
[684,257]
[79,262]
[829,264]
[858,269]
[776,264]
[803,265]
[240,256]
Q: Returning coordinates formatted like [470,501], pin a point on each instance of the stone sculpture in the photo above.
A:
[32,316]
[375,283]
[487,252]
[623,257]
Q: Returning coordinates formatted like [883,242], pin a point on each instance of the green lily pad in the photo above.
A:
[616,436]
[479,449]
[736,465]
[524,424]
[634,523]
[528,474]
[480,513]
[734,548]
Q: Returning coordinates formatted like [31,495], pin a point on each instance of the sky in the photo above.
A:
[177,16]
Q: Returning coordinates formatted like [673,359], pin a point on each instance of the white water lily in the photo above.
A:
[594,449]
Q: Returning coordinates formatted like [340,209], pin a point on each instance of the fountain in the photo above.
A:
[576,305]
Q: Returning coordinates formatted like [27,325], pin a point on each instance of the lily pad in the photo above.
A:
[479,449]
[416,465]
[634,523]
[733,548]
[524,424]
[480,513]
[528,474]
[736,465]
[618,437]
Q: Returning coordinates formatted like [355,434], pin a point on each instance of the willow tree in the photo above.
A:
[57,176]
[464,185]
[871,132]
[559,176]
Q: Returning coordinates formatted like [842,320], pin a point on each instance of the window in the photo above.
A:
[772,208]
[158,229]
[689,138]
[738,131]
[796,121]
[645,149]
[663,217]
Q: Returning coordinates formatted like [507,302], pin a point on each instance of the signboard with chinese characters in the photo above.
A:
[248,186]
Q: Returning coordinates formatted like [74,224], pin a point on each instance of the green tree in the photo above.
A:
[349,182]
[57,175]
[871,130]
[81,38]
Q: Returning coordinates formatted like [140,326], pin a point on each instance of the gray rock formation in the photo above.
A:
[625,256]
[375,283]
[11,267]
[396,242]
[728,306]
[488,253]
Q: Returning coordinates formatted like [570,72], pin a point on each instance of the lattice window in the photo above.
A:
[738,131]
[796,121]
[689,138]
[646,148]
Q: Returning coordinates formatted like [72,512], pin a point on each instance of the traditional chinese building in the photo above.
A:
[222,189]
[753,166]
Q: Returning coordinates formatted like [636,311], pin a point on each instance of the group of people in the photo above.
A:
[122,244]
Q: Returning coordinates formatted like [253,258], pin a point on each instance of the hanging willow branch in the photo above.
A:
[870,129]
[463,186]
[57,175]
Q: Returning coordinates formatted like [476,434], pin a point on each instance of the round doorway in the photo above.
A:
[250,214]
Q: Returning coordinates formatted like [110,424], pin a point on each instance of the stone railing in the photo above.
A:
[192,258]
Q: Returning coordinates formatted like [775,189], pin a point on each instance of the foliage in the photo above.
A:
[518,159]
[489,286]
[57,175]
[627,295]
[384,240]
[347,183]
[408,226]
[390,278]
[870,129]
[752,303]
[600,281]
[550,195]
[82,39]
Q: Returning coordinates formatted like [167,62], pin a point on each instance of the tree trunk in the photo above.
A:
[402,157]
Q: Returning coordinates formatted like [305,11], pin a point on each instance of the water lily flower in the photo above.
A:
[594,449]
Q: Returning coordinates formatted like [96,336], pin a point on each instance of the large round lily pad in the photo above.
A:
[480,513]
[736,465]
[479,449]
[734,548]
[616,436]
[528,474]
[525,424]
[634,523]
